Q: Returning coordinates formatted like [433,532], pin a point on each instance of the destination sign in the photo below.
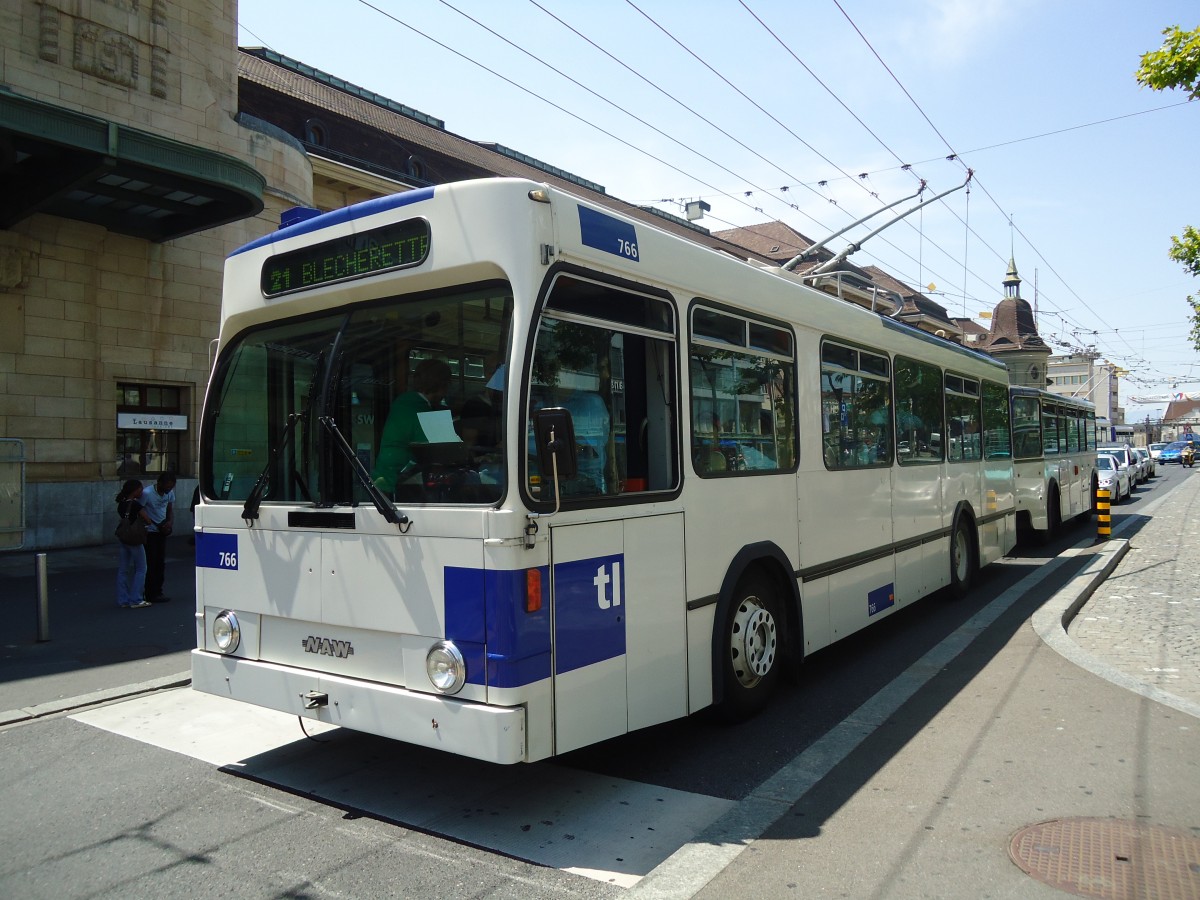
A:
[381,249]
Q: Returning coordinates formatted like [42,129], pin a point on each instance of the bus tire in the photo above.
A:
[752,647]
[1053,515]
[962,556]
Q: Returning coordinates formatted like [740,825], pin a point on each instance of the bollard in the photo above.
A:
[1104,517]
[43,598]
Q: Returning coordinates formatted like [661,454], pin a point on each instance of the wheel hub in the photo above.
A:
[753,642]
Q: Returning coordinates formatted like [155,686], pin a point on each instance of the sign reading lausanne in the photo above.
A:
[151,422]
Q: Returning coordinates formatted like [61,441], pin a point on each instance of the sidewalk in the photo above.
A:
[1144,620]
[96,650]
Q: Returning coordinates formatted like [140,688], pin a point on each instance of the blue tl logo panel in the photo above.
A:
[216,551]
[589,611]
[607,234]
[881,598]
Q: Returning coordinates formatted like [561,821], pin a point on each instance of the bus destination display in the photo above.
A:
[368,253]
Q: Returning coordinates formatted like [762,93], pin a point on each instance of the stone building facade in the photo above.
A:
[126,177]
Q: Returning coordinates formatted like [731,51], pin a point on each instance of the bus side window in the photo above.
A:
[618,386]
[742,374]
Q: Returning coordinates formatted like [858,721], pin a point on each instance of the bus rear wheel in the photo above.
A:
[962,557]
[752,648]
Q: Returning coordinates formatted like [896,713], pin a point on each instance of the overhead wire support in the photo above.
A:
[857,245]
[810,251]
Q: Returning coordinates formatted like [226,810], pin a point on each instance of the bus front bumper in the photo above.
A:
[490,733]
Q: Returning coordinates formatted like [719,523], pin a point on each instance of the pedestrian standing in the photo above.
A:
[131,567]
[159,501]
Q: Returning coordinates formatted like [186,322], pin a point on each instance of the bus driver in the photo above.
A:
[429,385]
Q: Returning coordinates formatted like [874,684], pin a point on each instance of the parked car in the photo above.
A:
[1147,461]
[1129,459]
[1112,477]
[1156,449]
[1170,453]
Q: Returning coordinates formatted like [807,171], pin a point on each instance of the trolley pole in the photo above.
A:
[43,598]
[1104,517]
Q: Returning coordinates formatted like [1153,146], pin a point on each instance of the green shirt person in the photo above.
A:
[430,382]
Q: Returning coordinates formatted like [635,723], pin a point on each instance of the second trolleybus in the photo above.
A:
[490,469]
[1054,453]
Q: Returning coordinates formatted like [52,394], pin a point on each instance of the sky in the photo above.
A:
[818,112]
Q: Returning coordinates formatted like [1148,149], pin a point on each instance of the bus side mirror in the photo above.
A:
[554,432]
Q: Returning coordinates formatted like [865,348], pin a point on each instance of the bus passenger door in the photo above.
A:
[620,658]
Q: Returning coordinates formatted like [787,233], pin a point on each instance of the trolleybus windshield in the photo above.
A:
[414,385]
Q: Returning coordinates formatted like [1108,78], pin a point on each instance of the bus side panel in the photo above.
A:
[964,484]
[1030,482]
[996,538]
[656,640]
[862,595]
[845,513]
[590,597]
[700,624]
[912,581]
[814,598]
[917,503]
[730,513]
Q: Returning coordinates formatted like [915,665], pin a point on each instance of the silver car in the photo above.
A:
[1129,459]
[1147,461]
[1112,476]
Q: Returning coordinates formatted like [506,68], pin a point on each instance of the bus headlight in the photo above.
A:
[226,632]
[446,668]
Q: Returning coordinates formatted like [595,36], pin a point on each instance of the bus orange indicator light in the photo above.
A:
[533,590]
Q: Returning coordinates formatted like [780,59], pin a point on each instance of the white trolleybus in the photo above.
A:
[1054,455]
[488,469]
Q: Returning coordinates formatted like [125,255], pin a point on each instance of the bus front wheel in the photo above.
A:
[752,648]
[962,557]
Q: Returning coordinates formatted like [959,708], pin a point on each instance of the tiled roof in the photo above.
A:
[1182,410]
[774,240]
[1014,328]
[968,326]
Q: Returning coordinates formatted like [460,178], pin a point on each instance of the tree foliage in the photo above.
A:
[1176,64]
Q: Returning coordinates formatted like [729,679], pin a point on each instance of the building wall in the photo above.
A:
[83,308]
[1099,383]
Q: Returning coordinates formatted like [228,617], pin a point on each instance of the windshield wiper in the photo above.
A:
[364,477]
[254,500]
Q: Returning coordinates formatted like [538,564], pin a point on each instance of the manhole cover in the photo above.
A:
[1111,858]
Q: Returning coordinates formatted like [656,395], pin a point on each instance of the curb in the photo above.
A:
[106,695]
[1051,622]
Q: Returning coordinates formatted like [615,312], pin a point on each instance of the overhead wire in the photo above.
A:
[642,121]
[955,155]
[769,115]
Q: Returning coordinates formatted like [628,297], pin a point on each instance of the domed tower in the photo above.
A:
[1014,338]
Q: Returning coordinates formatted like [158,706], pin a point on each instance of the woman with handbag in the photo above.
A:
[131,568]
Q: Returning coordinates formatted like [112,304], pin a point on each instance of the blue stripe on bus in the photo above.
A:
[338,216]
[487,608]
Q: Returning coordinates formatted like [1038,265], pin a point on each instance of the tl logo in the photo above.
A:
[602,581]
[326,647]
